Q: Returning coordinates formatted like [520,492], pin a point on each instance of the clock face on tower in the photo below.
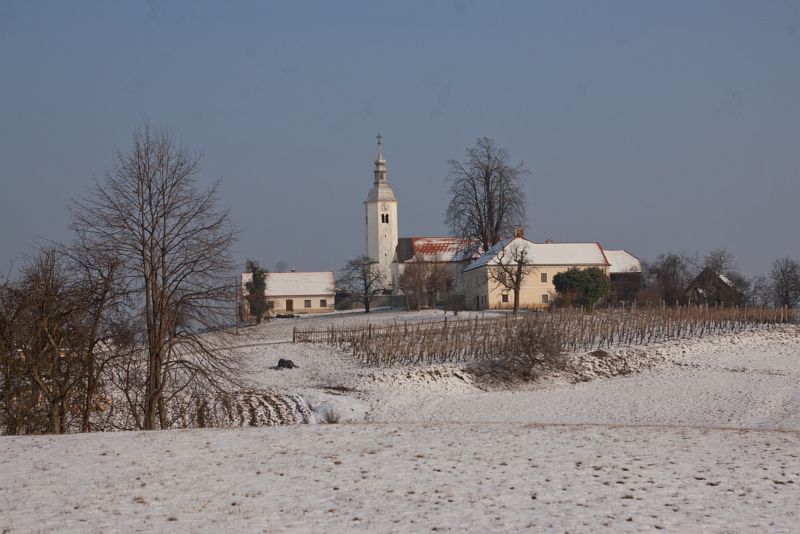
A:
[384,207]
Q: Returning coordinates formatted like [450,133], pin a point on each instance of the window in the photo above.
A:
[307,304]
[384,217]
[544,278]
[545,299]
[504,297]
[323,303]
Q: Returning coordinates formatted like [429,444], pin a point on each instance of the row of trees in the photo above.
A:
[488,202]
[666,278]
[112,320]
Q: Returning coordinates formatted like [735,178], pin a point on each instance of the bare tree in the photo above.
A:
[422,281]
[510,268]
[488,199]
[102,306]
[173,243]
[16,400]
[439,279]
[667,277]
[413,283]
[721,261]
[785,276]
[362,280]
[53,321]
[760,292]
[47,348]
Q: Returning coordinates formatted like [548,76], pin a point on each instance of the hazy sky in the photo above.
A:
[649,126]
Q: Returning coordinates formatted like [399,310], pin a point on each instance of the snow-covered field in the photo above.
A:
[703,436]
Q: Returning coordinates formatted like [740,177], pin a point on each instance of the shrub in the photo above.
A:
[535,346]
[330,415]
[588,285]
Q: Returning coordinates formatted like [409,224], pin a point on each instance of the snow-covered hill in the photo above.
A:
[697,435]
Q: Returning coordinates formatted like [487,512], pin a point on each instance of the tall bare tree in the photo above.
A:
[173,242]
[362,280]
[510,268]
[785,276]
[488,198]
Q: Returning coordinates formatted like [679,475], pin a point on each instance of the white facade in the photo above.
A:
[294,292]
[381,221]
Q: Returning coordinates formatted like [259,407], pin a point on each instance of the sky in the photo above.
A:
[648,126]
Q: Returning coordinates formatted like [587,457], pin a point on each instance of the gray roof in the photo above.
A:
[623,261]
[381,191]
[588,254]
[296,284]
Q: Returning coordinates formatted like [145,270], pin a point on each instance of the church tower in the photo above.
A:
[381,208]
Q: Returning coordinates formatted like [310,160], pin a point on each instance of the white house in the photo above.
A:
[294,292]
[542,262]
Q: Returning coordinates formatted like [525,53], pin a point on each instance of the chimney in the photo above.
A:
[293,270]
[519,231]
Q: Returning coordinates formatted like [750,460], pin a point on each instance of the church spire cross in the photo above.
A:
[379,137]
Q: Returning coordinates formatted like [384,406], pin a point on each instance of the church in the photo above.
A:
[393,253]
[469,276]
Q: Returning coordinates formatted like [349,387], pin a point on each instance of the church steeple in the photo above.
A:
[380,163]
[381,219]
[380,189]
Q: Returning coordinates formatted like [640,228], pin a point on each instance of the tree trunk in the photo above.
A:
[89,395]
[153,393]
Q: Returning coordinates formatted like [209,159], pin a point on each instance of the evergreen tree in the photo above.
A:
[587,286]
[256,297]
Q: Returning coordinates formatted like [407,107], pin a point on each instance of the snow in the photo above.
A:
[404,477]
[546,253]
[296,284]
[697,435]
[622,261]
